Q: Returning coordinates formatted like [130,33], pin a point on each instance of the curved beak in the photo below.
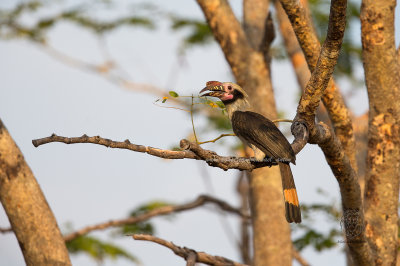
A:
[213,91]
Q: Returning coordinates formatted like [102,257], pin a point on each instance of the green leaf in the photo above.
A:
[164,100]
[173,94]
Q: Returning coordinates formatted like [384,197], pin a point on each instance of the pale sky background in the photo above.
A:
[86,184]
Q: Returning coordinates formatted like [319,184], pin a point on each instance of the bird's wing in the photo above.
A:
[261,132]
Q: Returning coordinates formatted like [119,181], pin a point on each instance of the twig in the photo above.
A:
[190,150]
[217,138]
[232,134]
[282,120]
[6,230]
[171,107]
[191,117]
[185,252]
[297,256]
[200,201]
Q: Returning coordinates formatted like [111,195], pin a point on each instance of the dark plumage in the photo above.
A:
[261,132]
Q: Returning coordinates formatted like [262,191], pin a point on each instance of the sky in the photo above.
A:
[86,184]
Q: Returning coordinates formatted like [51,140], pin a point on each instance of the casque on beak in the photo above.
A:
[213,91]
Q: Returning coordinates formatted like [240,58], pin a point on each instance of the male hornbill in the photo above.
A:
[260,134]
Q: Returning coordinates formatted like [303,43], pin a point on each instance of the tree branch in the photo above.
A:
[331,97]
[190,150]
[296,255]
[6,230]
[200,201]
[166,154]
[30,216]
[331,146]
[185,252]
[229,34]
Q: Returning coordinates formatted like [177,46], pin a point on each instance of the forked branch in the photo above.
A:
[200,201]
[186,253]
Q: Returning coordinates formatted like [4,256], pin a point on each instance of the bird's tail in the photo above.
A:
[292,207]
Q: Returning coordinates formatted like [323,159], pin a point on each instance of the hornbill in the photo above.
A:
[260,134]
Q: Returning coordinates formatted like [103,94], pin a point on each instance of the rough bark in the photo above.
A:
[29,214]
[331,146]
[296,56]
[382,75]
[332,98]
[246,53]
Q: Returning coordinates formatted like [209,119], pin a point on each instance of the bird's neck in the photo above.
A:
[238,105]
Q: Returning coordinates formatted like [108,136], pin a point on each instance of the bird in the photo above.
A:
[261,135]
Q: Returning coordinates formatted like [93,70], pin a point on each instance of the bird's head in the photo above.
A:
[227,92]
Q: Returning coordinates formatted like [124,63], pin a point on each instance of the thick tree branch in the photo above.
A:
[325,65]
[30,216]
[330,145]
[331,97]
[229,34]
[185,252]
[200,201]
[255,19]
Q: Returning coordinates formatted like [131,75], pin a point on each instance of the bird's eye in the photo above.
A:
[229,87]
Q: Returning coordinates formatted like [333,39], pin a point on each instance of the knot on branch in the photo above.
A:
[300,132]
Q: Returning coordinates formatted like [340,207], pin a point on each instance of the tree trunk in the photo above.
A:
[29,214]
[382,77]
[247,55]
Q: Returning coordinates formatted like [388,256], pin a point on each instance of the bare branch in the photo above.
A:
[217,138]
[166,154]
[297,256]
[200,201]
[190,150]
[109,70]
[6,230]
[185,252]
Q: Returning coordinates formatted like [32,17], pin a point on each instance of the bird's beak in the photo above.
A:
[213,91]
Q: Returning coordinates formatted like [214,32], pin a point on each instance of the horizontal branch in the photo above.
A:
[190,150]
[200,201]
[166,154]
[186,253]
